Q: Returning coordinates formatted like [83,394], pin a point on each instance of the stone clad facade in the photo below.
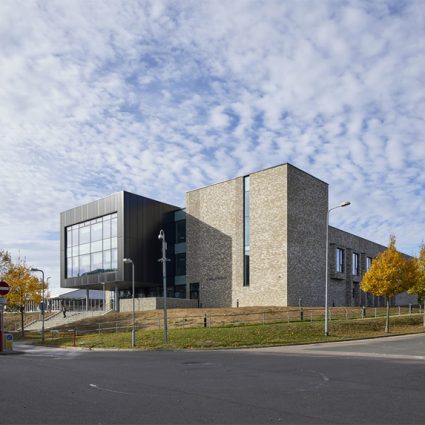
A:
[255,240]
[287,228]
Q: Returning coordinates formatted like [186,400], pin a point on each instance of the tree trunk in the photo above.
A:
[424,314]
[22,321]
[387,321]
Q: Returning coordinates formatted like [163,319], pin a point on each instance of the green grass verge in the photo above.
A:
[243,336]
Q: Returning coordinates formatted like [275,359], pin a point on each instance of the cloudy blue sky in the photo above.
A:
[162,97]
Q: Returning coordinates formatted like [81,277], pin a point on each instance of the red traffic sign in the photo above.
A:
[4,288]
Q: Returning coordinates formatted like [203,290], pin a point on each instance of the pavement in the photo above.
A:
[379,381]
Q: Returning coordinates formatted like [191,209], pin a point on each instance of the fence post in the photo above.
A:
[301,314]
[264,318]
[205,320]
[363,312]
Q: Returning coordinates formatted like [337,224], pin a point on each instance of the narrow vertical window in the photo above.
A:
[246,231]
[368,263]
[355,270]
[339,260]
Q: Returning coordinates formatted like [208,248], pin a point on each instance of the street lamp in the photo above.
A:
[164,260]
[133,331]
[33,269]
[342,205]
[104,297]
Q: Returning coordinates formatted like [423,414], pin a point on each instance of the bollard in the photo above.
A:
[205,320]
[399,310]
[375,311]
[237,303]
[410,308]
[363,312]
[301,314]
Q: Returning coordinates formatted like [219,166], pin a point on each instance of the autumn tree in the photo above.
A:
[24,288]
[5,262]
[419,287]
[390,274]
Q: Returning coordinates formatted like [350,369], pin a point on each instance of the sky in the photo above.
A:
[162,97]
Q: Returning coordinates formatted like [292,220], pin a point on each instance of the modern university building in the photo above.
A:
[255,240]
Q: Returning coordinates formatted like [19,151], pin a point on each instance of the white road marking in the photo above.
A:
[108,389]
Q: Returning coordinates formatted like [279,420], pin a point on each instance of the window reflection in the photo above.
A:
[92,246]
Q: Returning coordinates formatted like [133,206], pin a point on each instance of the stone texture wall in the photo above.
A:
[155,303]
[268,203]
[344,288]
[306,241]
[214,241]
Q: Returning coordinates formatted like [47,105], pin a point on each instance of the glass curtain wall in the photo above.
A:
[91,246]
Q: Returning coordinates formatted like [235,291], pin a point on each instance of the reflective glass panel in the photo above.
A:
[114,258]
[114,227]
[96,261]
[74,250]
[69,267]
[84,235]
[96,232]
[75,266]
[69,238]
[106,229]
[84,264]
[106,244]
[114,242]
[96,246]
[107,259]
[75,236]
[85,249]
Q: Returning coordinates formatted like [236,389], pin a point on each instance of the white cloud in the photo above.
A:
[102,96]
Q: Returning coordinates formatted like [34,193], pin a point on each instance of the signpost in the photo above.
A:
[4,290]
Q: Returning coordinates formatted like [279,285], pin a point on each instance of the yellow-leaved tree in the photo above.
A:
[419,287]
[390,274]
[24,288]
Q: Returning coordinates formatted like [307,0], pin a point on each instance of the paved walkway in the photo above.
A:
[397,347]
[59,320]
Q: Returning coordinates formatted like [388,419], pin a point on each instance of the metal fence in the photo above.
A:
[234,319]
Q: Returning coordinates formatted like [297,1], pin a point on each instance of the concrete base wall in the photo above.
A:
[146,304]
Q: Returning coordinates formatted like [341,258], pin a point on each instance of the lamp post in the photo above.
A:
[342,205]
[104,297]
[33,269]
[133,331]
[164,260]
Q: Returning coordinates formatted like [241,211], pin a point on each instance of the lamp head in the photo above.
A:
[345,204]
[127,260]
[33,269]
[161,235]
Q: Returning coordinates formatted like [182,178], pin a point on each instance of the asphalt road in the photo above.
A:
[373,382]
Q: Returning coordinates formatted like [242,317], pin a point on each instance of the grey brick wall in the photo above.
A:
[307,207]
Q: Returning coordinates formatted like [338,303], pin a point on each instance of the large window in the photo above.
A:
[246,201]
[356,270]
[180,264]
[92,246]
[339,260]
[180,231]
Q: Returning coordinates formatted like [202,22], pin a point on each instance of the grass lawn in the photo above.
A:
[243,336]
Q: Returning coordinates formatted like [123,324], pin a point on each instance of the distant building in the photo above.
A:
[254,240]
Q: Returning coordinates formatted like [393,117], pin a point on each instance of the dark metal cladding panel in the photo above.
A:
[144,218]
[139,222]
[108,205]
